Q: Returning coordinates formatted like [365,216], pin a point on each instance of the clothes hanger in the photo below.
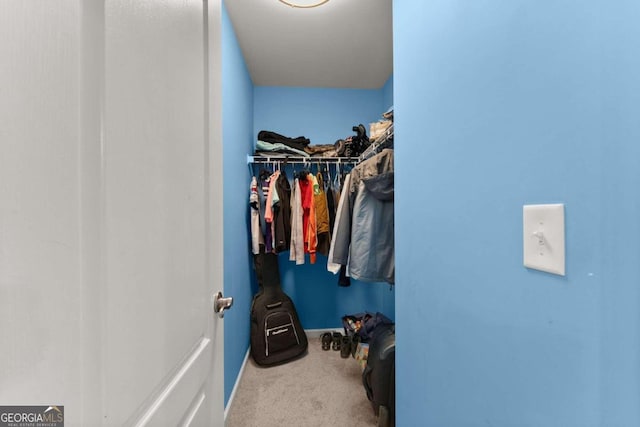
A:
[264,174]
[305,171]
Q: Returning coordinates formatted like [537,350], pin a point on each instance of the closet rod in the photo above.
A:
[302,160]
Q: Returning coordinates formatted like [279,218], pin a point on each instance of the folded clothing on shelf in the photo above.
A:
[378,129]
[277,147]
[298,143]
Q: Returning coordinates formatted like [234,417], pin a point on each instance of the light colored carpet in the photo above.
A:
[320,389]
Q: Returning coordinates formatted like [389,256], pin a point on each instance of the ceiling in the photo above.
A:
[342,44]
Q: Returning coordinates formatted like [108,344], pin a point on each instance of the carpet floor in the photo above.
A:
[319,389]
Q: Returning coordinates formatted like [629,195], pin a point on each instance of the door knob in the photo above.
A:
[220,304]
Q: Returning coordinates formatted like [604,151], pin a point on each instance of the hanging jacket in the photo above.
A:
[271,194]
[322,215]
[263,190]
[364,233]
[272,199]
[331,265]
[331,206]
[257,238]
[282,214]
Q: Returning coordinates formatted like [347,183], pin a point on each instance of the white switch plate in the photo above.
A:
[543,237]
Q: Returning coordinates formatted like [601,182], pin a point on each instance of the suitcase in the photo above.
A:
[378,376]
[277,335]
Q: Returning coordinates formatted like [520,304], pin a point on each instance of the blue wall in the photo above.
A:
[619,93]
[323,115]
[387,93]
[237,122]
[498,104]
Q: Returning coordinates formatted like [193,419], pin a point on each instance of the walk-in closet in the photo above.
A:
[321,77]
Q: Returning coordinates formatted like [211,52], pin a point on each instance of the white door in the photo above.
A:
[110,173]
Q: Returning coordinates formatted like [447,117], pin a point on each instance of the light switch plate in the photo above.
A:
[543,237]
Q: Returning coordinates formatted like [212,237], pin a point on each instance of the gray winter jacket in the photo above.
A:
[364,236]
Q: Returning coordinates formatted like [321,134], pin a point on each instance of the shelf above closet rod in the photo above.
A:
[302,160]
[384,141]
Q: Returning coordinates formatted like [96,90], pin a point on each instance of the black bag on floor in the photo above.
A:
[379,375]
[276,333]
[364,324]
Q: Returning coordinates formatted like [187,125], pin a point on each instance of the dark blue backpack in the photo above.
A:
[364,324]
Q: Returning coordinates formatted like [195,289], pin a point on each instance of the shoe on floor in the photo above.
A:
[326,341]
[337,339]
[345,347]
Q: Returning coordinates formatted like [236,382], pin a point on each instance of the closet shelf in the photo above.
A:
[301,160]
[384,141]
